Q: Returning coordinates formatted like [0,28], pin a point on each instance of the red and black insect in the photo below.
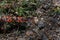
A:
[12,19]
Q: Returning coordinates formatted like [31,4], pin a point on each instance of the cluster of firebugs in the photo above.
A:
[12,19]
